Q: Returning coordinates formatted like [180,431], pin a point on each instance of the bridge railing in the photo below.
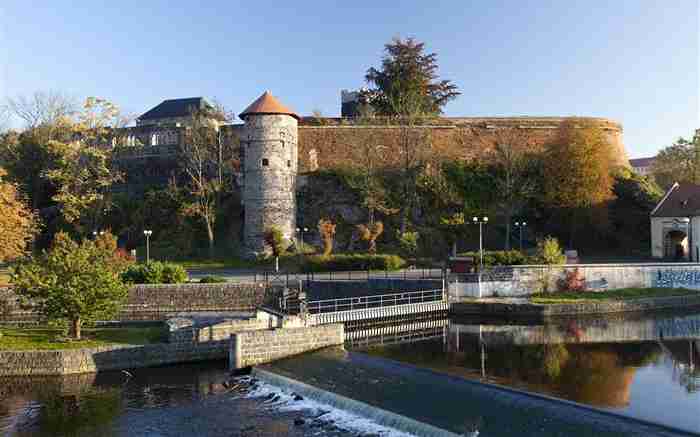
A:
[375,301]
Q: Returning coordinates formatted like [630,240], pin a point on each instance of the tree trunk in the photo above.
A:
[277,264]
[454,249]
[508,219]
[75,328]
[210,236]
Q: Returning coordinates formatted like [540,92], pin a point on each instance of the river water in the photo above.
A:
[644,366]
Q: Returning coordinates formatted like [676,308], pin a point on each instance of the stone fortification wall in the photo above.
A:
[525,280]
[252,348]
[269,155]
[331,143]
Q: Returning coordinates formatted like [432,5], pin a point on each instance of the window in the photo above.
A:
[154,140]
[289,163]
[265,162]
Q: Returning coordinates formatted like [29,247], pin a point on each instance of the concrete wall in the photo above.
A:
[531,279]
[252,348]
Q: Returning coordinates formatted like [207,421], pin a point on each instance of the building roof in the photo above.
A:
[267,104]
[175,108]
[642,162]
[681,200]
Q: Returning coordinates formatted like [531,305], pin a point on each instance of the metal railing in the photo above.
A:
[355,275]
[376,301]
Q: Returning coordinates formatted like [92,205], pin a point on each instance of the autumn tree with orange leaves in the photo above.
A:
[18,224]
[577,170]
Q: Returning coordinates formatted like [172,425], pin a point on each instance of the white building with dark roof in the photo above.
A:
[675,224]
[642,166]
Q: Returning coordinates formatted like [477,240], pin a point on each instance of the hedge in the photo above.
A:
[353,262]
[502,258]
[210,279]
[155,272]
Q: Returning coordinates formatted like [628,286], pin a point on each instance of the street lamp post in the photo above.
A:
[148,234]
[481,222]
[521,226]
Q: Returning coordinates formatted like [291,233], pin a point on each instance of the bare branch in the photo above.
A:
[42,108]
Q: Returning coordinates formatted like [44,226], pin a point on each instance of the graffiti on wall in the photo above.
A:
[678,278]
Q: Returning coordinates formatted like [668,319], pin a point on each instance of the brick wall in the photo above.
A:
[252,348]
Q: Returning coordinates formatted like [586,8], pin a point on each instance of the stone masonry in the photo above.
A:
[251,348]
[269,148]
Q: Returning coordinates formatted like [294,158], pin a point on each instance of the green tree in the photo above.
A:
[408,243]
[407,83]
[635,198]
[679,162]
[550,252]
[577,170]
[72,282]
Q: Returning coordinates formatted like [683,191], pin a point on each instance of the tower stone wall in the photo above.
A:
[269,148]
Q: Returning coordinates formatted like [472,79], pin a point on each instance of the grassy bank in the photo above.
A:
[52,339]
[617,294]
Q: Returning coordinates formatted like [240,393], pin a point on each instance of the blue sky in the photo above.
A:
[635,61]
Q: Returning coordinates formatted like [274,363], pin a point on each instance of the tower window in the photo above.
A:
[265,162]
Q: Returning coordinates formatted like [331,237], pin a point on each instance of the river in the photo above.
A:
[640,366]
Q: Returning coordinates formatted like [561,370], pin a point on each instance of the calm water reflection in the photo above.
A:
[645,366]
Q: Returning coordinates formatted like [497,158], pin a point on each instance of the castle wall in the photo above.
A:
[269,149]
[329,143]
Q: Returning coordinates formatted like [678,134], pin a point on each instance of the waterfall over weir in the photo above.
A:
[375,415]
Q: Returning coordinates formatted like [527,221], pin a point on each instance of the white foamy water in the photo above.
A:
[335,416]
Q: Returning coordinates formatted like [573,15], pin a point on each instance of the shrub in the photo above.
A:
[549,251]
[408,242]
[155,272]
[210,279]
[275,240]
[173,274]
[352,262]
[326,229]
[573,280]
[501,258]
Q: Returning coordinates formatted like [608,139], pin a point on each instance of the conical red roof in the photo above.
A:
[267,104]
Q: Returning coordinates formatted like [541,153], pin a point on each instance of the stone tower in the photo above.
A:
[269,154]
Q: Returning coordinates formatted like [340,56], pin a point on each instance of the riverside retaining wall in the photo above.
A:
[525,280]
[251,348]
[87,360]
[162,301]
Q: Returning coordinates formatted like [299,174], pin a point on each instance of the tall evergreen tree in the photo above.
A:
[407,83]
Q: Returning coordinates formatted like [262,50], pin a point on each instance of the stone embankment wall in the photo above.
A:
[525,280]
[252,348]
[527,310]
[71,361]
[160,302]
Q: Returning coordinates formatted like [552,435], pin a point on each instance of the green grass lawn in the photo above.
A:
[50,339]
[617,294]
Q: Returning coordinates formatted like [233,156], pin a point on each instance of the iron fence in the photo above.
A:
[375,301]
[354,275]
